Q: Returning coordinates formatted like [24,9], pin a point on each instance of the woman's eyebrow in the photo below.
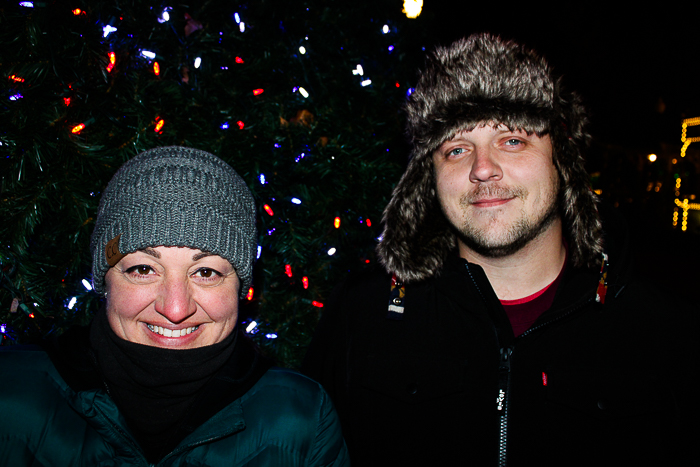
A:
[150,251]
[201,255]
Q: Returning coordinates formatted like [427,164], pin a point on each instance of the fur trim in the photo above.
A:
[474,81]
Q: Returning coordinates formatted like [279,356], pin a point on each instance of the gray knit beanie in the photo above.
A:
[477,80]
[175,196]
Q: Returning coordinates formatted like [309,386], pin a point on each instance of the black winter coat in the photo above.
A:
[588,384]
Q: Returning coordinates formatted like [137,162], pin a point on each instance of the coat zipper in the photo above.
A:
[503,397]
[502,403]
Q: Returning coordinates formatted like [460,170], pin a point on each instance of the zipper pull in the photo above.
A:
[505,358]
[503,379]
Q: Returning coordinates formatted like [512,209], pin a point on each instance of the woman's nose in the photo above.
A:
[175,301]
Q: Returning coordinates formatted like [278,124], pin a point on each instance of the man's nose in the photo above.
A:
[175,301]
[485,167]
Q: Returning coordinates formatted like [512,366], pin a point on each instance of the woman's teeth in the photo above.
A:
[171,332]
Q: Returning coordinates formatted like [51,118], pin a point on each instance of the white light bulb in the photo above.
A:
[251,326]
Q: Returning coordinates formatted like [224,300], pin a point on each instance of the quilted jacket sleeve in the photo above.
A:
[329,448]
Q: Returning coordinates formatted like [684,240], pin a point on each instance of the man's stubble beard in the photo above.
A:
[513,237]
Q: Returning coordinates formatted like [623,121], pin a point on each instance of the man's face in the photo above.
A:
[172,297]
[497,187]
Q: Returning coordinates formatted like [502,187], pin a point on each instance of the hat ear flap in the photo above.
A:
[578,201]
[417,237]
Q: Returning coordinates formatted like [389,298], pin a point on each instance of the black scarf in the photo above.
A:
[157,389]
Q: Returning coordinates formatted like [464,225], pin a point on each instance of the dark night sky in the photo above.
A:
[637,71]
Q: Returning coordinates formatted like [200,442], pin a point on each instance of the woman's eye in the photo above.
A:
[208,274]
[140,270]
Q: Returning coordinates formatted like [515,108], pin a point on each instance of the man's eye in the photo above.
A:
[456,151]
[513,142]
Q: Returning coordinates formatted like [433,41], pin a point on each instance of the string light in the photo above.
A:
[305,282]
[390,48]
[197,62]
[249,295]
[240,124]
[78,128]
[302,50]
[271,336]
[385,29]
[261,177]
[236,18]
[112,61]
[257,92]
[369,223]
[303,92]
[336,222]
[288,270]
[108,29]
[16,78]
[15,97]
[77,11]
[366,82]
[165,16]
[296,201]
[684,205]
[317,304]
[684,133]
[268,210]
[87,285]
[27,4]
[259,252]
[358,70]
[332,251]
[299,157]
[72,303]
[250,327]
[412,8]
[239,60]
[148,54]
[241,26]
[224,126]
[398,85]
[159,124]
[66,100]
[156,68]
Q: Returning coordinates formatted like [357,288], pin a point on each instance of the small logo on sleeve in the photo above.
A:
[112,251]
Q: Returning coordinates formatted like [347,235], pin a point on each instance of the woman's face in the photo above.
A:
[172,297]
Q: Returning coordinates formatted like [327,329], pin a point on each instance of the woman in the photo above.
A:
[162,375]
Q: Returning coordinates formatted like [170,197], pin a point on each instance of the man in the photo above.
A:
[506,329]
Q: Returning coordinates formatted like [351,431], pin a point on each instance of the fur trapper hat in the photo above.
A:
[478,80]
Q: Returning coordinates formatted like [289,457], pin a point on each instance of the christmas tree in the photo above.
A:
[301,98]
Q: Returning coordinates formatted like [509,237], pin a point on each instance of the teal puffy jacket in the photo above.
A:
[285,419]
